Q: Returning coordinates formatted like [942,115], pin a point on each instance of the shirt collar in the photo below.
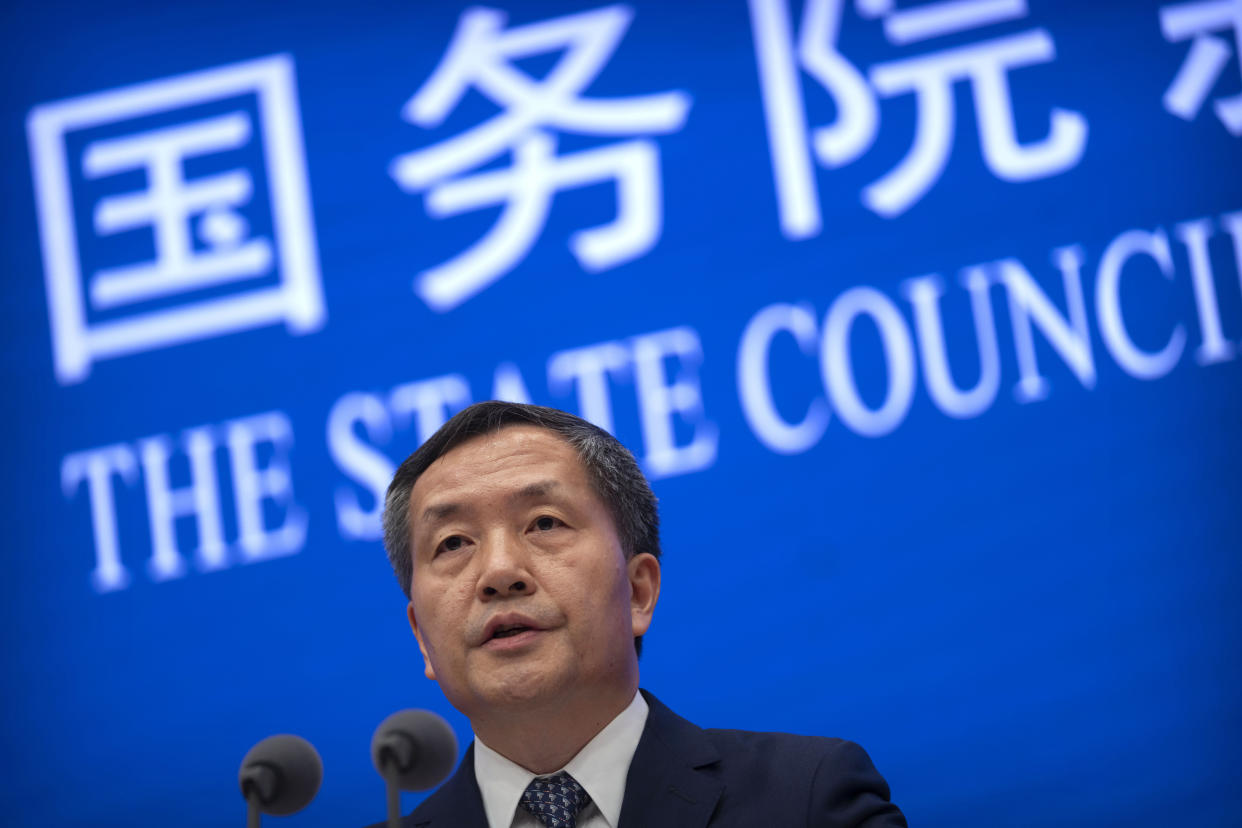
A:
[600,767]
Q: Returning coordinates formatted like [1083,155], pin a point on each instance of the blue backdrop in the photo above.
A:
[923,318]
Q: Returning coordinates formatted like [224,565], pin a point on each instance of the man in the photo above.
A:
[527,542]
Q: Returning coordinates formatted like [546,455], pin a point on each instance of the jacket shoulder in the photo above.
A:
[834,780]
[784,762]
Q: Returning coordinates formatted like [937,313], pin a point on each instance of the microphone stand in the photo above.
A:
[260,780]
[394,795]
[252,809]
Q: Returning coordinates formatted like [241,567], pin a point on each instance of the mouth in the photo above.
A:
[508,631]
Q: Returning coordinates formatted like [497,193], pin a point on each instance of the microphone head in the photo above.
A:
[284,772]
[415,749]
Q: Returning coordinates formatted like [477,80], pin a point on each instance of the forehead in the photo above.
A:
[497,462]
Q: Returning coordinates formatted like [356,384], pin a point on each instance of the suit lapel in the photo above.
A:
[670,782]
[457,804]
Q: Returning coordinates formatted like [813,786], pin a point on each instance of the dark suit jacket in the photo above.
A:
[685,777]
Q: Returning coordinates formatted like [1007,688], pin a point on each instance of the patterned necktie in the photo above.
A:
[555,800]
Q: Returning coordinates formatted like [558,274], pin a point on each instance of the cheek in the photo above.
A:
[438,613]
[607,601]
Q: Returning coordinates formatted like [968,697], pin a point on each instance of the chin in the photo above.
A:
[522,686]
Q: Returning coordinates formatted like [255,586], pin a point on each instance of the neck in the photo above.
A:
[542,737]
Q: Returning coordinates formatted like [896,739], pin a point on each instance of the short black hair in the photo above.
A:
[611,468]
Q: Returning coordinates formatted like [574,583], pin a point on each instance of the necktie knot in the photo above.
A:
[555,800]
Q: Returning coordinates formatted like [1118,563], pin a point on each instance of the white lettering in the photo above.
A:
[660,401]
[754,381]
[508,385]
[360,462]
[924,294]
[97,467]
[199,500]
[838,373]
[589,368]
[432,402]
[1069,338]
[254,485]
[1214,348]
[1132,359]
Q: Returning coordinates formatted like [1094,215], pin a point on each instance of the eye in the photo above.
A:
[546,523]
[451,544]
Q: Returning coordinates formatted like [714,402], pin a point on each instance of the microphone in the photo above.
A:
[413,750]
[279,776]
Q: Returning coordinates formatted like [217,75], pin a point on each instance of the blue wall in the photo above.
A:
[946,439]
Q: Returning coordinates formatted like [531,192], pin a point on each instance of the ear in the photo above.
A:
[422,648]
[644,573]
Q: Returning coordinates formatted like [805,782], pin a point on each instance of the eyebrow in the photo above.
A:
[531,491]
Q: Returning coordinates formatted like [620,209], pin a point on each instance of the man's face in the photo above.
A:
[521,590]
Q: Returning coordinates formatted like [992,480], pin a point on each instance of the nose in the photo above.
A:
[504,570]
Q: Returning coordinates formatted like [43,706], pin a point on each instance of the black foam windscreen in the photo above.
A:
[283,772]
[415,749]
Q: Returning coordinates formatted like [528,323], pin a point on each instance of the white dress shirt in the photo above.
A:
[600,768]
